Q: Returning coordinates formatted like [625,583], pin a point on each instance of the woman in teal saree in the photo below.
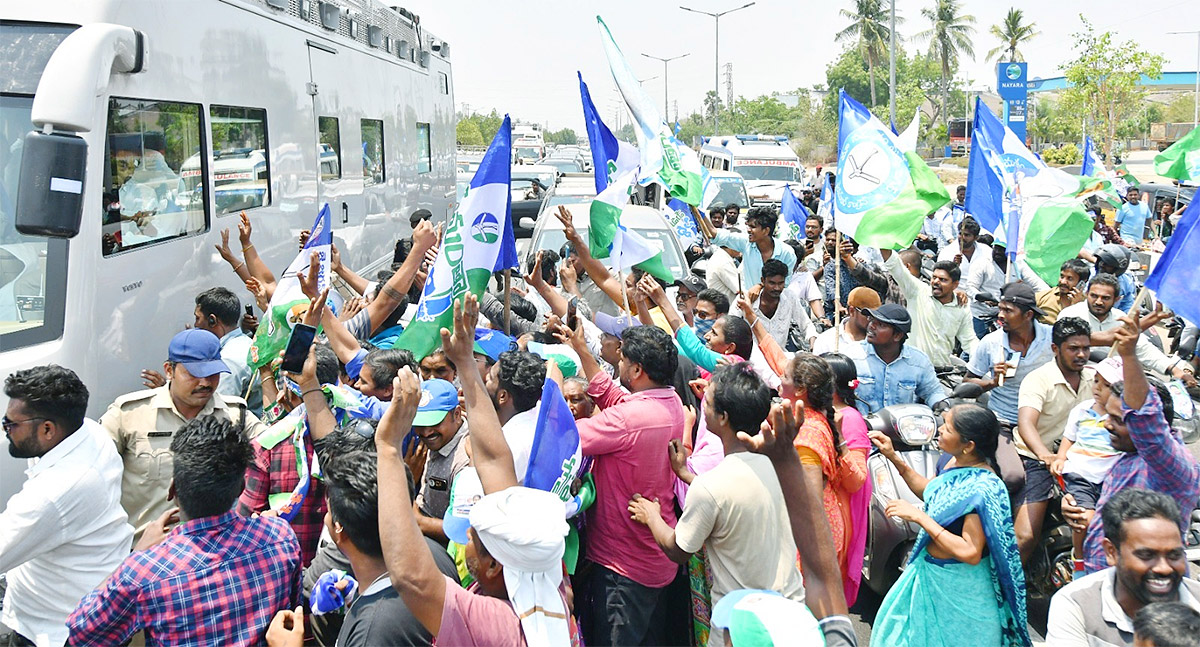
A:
[963,583]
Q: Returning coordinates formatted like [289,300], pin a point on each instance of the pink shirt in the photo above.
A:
[472,619]
[628,439]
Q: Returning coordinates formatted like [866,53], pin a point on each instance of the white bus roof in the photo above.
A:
[754,146]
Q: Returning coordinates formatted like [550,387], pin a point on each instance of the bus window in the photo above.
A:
[372,152]
[241,174]
[151,192]
[424,153]
[331,148]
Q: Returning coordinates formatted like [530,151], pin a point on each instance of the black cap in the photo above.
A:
[693,283]
[894,315]
[1022,296]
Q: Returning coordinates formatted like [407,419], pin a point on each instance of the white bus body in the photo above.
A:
[766,162]
[255,75]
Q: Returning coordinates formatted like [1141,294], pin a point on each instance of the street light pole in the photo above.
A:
[666,79]
[892,66]
[1196,109]
[717,54]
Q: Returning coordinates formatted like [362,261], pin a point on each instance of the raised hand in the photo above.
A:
[460,344]
[778,433]
[568,223]
[1126,336]
[223,248]
[651,289]
[244,229]
[308,279]
[261,296]
[534,278]
[316,308]
[424,237]
[397,420]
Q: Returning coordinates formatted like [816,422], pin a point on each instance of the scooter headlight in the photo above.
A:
[916,429]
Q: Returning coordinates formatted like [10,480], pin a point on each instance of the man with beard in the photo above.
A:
[143,423]
[1104,318]
[619,597]
[1004,357]
[1145,550]
[441,426]
[939,321]
[1044,403]
[779,309]
[515,386]
[1154,455]
[65,531]
[892,372]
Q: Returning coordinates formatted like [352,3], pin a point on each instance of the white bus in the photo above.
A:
[191,112]
[766,162]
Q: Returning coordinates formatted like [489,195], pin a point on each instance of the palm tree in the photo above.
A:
[949,34]
[1012,32]
[869,30]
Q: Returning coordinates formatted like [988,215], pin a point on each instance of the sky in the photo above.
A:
[521,57]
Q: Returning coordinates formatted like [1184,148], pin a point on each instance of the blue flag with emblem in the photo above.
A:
[679,214]
[792,215]
[475,244]
[610,156]
[556,458]
[1174,279]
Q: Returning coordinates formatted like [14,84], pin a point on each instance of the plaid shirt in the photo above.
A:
[1161,463]
[274,472]
[212,581]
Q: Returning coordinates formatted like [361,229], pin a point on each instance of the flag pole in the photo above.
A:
[508,301]
[1137,302]
[837,291]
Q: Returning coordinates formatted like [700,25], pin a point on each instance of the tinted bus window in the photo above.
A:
[372,152]
[240,168]
[424,153]
[154,185]
[331,148]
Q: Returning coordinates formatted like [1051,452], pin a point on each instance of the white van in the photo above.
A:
[766,162]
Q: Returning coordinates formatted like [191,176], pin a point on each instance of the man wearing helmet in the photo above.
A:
[1114,259]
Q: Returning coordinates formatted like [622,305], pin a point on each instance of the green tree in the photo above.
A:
[1105,81]
[564,136]
[869,31]
[1012,33]
[466,133]
[712,104]
[949,35]
[1180,110]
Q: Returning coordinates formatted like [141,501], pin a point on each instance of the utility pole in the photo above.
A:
[717,53]
[666,78]
[892,65]
[1196,109]
[729,85]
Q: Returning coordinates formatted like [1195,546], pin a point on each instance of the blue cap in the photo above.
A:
[438,397]
[613,325]
[199,351]
[492,342]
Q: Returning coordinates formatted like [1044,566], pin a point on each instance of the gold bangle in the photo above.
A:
[247,247]
[235,267]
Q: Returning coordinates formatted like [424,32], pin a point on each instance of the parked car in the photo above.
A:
[563,164]
[732,190]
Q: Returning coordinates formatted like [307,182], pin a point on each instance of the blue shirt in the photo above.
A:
[1131,219]
[752,260]
[909,378]
[992,350]
[1126,293]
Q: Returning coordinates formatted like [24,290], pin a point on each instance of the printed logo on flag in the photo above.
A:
[485,228]
[871,174]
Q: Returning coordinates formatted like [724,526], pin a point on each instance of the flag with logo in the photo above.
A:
[556,458]
[1032,208]
[883,193]
[792,216]
[1124,179]
[1181,161]
[679,214]
[825,208]
[663,158]
[472,247]
[1174,278]
[288,303]
[1093,166]
[605,232]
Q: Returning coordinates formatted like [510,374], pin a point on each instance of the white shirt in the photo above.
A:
[988,277]
[936,326]
[805,287]
[63,533]
[519,432]
[1148,354]
[847,345]
[789,311]
[981,256]
[722,273]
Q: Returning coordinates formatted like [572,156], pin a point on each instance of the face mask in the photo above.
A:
[703,326]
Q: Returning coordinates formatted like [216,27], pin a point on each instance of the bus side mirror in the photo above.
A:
[50,191]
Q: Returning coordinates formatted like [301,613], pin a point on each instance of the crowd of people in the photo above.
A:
[379,498]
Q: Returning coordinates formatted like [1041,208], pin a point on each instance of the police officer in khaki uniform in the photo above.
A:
[143,423]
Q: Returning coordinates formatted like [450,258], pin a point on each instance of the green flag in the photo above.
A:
[1182,160]
[1057,231]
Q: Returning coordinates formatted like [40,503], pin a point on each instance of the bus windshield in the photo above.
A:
[33,269]
[769,173]
[731,190]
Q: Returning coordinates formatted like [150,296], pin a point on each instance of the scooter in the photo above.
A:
[912,429]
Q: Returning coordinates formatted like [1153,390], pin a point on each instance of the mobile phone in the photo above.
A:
[297,348]
[1014,358]
[572,318]
[249,310]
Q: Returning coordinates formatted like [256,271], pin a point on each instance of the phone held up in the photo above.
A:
[297,348]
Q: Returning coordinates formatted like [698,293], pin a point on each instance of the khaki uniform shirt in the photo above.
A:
[142,425]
